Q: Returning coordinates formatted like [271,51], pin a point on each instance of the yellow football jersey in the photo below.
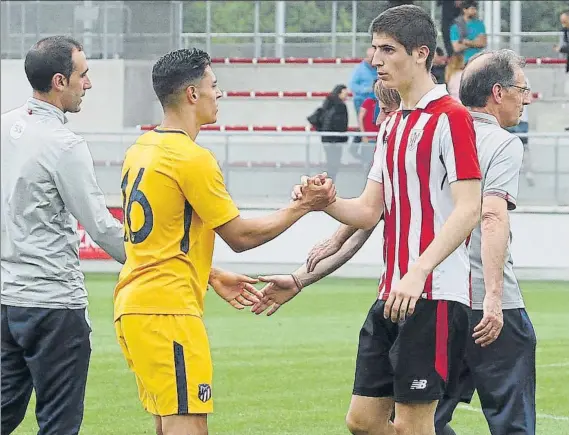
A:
[173,197]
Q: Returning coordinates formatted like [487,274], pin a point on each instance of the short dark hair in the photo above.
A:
[469,3]
[411,26]
[477,82]
[177,70]
[47,57]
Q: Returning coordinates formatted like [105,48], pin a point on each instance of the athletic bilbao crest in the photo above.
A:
[414,137]
[204,392]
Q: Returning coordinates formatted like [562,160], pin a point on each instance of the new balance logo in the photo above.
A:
[420,384]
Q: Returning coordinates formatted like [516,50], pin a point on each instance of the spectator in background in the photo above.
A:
[523,127]
[361,83]
[393,3]
[564,46]
[369,112]
[468,34]
[450,10]
[439,64]
[453,73]
[334,116]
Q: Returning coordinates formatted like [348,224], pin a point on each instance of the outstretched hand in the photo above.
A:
[236,289]
[279,290]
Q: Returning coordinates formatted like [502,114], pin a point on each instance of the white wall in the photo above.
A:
[102,107]
[540,248]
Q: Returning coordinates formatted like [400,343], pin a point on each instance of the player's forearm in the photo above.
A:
[343,233]
[453,233]
[495,229]
[328,265]
[258,231]
[354,212]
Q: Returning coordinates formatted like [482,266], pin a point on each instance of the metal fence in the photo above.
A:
[145,29]
[261,167]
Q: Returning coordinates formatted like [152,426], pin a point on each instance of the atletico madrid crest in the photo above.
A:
[204,392]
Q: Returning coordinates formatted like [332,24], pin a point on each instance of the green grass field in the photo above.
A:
[292,373]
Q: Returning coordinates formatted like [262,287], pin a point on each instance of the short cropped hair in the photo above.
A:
[389,97]
[477,82]
[469,3]
[177,70]
[411,26]
[47,57]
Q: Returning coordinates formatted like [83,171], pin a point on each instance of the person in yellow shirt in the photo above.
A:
[175,201]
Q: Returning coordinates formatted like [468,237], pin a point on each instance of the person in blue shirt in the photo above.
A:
[363,77]
[361,85]
[468,34]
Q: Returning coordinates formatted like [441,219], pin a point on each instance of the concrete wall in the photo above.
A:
[103,105]
[543,257]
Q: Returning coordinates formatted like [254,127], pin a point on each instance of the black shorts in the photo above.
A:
[416,360]
[503,374]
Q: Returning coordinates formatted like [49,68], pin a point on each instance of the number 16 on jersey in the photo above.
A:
[136,196]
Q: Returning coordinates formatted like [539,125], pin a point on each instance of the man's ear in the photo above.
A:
[192,94]
[58,81]
[422,54]
[497,92]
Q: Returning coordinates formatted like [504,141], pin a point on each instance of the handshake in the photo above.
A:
[315,193]
[239,291]
[312,194]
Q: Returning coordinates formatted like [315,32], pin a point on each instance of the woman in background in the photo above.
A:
[453,73]
[334,118]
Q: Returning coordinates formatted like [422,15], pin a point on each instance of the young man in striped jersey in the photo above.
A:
[500,355]
[425,179]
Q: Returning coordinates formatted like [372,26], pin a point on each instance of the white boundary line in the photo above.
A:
[563,364]
[538,415]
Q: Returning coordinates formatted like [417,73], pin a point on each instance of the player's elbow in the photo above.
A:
[238,244]
[493,220]
[369,218]
[471,211]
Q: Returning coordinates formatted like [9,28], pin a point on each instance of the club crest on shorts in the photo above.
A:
[204,392]
[414,138]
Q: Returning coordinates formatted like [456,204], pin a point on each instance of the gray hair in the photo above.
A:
[477,81]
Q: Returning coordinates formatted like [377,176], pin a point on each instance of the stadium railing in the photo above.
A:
[341,60]
[298,148]
[298,94]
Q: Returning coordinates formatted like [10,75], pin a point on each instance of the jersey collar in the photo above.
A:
[159,129]
[484,117]
[41,107]
[437,92]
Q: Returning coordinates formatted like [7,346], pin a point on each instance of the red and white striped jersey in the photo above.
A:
[419,153]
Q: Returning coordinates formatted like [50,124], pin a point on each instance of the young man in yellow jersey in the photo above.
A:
[174,201]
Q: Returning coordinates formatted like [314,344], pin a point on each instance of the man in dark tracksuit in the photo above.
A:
[500,358]
[48,183]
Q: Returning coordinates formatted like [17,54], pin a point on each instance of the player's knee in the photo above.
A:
[359,423]
[407,426]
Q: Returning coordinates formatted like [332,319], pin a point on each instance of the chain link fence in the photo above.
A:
[146,29]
